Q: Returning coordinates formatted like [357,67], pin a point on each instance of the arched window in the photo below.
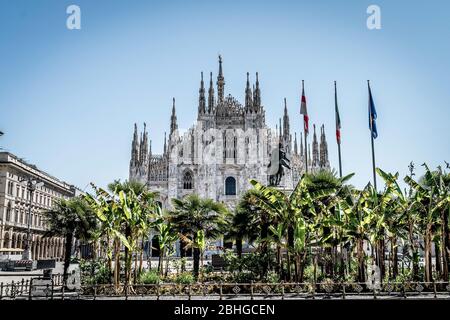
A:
[187,180]
[8,212]
[6,241]
[230,186]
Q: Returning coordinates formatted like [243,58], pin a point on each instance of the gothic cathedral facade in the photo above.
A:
[228,145]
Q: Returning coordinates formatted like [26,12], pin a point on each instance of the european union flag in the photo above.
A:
[372,115]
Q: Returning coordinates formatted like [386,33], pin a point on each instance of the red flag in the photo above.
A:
[303,110]
[338,118]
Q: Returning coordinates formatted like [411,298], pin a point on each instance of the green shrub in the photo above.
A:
[244,277]
[94,272]
[150,277]
[184,278]
[272,277]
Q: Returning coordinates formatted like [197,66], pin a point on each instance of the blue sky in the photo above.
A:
[69,98]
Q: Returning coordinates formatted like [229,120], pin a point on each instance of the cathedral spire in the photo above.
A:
[315,150]
[173,119]
[220,82]
[295,144]
[301,144]
[248,96]
[257,95]
[280,137]
[286,127]
[150,150]
[323,148]
[309,155]
[201,98]
[144,145]
[165,142]
[210,94]
[135,146]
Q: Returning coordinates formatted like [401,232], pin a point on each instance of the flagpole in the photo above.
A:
[306,151]
[339,141]
[373,148]
[304,128]
[340,161]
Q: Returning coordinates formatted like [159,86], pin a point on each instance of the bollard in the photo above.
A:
[27,284]
[434,289]
[251,290]
[1,290]
[343,290]
[21,286]
[220,291]
[157,291]
[282,290]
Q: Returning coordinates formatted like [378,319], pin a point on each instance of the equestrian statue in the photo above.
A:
[278,160]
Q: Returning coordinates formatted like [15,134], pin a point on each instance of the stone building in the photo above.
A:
[228,145]
[15,204]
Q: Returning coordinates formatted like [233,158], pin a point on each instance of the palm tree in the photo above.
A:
[245,223]
[328,217]
[431,202]
[166,234]
[126,218]
[292,210]
[193,216]
[72,219]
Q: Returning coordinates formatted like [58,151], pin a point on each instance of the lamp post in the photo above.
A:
[31,186]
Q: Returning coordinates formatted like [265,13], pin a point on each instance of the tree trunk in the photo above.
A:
[445,245]
[183,254]
[67,255]
[141,256]
[279,266]
[135,267]
[196,252]
[167,265]
[414,253]
[361,261]
[117,264]
[394,250]
[239,247]
[437,255]
[427,253]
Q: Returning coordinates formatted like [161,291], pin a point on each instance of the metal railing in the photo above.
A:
[22,289]
[225,290]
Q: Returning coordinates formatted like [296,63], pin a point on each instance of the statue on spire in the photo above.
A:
[220,82]
[201,98]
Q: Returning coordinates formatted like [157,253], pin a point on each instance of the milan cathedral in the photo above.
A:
[228,145]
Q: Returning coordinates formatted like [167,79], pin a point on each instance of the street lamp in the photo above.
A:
[31,186]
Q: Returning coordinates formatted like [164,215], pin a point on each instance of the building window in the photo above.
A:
[10,188]
[8,212]
[230,186]
[187,180]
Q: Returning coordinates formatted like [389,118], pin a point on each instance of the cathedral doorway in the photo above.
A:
[230,186]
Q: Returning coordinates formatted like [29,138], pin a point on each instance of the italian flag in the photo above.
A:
[303,110]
